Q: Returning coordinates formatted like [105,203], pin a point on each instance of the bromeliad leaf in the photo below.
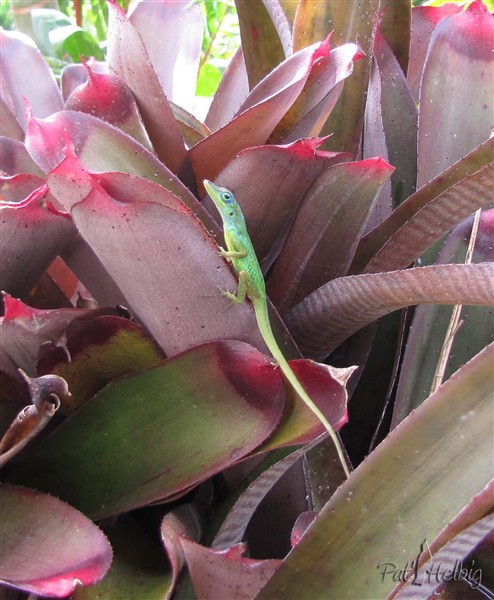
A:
[234,400]
[341,307]
[65,548]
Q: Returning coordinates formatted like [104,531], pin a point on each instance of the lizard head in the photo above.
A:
[224,201]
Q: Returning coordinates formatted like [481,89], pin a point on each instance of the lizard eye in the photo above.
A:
[227,197]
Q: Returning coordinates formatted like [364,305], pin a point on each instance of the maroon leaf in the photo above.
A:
[14,158]
[46,546]
[146,238]
[322,89]
[323,239]
[269,183]
[32,233]
[34,81]
[106,97]
[172,32]
[130,62]
[231,92]
[100,147]
[226,574]
[256,118]
[24,329]
[391,125]
[465,41]
[341,307]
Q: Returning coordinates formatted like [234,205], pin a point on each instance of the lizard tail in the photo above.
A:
[264,324]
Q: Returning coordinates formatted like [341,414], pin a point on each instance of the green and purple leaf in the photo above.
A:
[92,352]
[46,546]
[261,43]
[429,329]
[234,401]
[406,479]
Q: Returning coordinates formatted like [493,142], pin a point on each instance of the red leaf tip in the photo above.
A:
[323,50]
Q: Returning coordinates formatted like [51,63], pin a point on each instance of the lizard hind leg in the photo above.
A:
[242,289]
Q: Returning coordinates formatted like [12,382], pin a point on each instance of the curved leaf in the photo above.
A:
[35,81]
[231,93]
[463,41]
[32,233]
[15,159]
[106,97]
[24,329]
[256,118]
[172,32]
[429,328]
[322,241]
[46,546]
[428,214]
[404,481]
[309,112]
[130,62]
[146,238]
[92,352]
[100,147]
[269,183]
[343,306]
[141,438]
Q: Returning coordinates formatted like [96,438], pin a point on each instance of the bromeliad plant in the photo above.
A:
[150,404]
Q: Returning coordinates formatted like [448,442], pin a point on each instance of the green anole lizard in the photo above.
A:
[241,253]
